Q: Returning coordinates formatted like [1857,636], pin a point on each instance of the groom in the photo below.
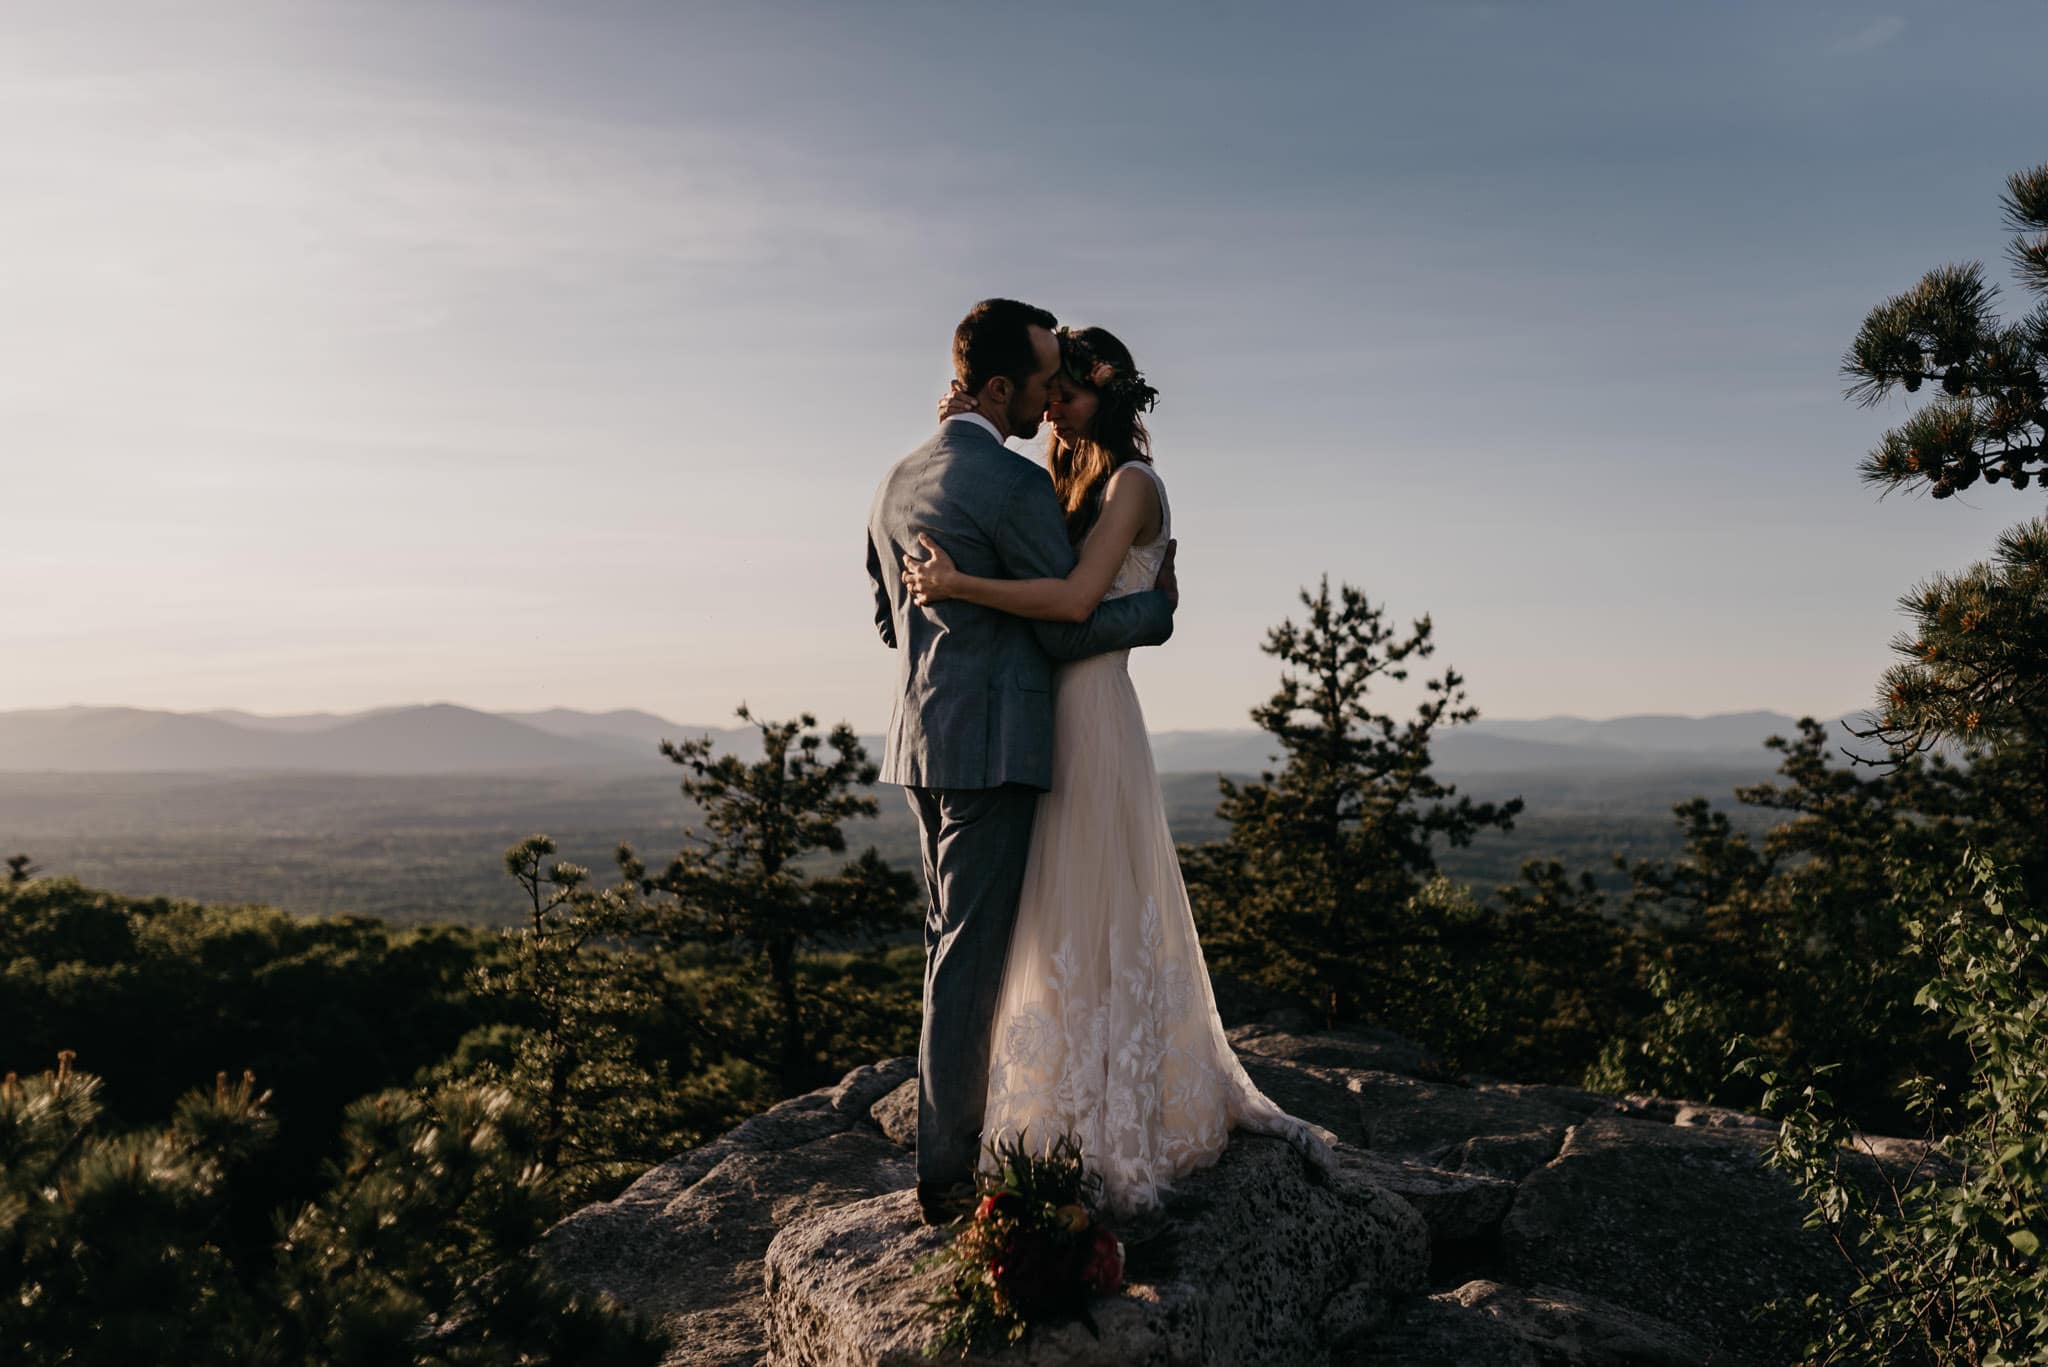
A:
[970,735]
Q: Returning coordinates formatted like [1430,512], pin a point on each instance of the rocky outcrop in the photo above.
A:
[1683,1222]
[1361,1047]
[1257,1262]
[686,1241]
[1471,1222]
[1486,1324]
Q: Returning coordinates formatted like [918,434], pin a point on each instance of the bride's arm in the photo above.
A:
[1129,503]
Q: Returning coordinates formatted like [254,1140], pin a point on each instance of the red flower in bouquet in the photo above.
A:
[1103,1270]
[998,1203]
[1031,1253]
[1028,1272]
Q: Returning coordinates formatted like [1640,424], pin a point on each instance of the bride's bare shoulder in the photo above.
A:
[1130,477]
[1138,500]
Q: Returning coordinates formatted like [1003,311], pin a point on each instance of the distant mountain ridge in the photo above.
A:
[444,738]
[1618,744]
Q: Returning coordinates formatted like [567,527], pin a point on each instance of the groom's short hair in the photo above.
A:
[995,339]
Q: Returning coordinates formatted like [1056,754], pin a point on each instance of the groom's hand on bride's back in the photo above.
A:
[1168,582]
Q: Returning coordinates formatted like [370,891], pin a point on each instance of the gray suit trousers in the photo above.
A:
[974,842]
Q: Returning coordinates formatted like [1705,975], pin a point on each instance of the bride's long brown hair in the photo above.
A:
[1116,434]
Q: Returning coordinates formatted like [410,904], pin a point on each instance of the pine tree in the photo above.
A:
[418,1252]
[1556,975]
[1313,891]
[1973,667]
[112,1247]
[750,885]
[579,978]
[1989,420]
[1792,938]
[103,1251]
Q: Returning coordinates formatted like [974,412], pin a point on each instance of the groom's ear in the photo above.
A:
[998,391]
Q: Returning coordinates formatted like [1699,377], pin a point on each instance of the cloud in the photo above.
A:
[1870,36]
[320,170]
[191,247]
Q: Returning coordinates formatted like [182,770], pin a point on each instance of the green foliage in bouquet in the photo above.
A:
[1949,1264]
[1030,1252]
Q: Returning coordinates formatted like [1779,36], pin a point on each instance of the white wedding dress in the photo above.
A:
[1105,1025]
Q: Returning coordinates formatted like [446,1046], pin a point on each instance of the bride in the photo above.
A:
[1105,1025]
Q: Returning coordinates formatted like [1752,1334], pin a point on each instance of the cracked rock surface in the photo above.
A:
[1472,1222]
[1249,1262]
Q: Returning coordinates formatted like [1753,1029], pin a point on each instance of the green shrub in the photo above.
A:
[1949,1263]
[115,1249]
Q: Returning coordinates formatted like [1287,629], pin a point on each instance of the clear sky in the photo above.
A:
[525,355]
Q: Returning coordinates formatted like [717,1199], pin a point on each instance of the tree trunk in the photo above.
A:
[782,965]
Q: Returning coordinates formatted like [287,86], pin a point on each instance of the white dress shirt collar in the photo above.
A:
[976,417]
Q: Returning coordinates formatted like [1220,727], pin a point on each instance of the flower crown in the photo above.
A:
[1083,366]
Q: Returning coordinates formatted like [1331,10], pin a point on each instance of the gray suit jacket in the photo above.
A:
[973,704]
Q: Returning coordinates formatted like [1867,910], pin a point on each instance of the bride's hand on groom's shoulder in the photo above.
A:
[932,579]
[956,400]
[1168,582]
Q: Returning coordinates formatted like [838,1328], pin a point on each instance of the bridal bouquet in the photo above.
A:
[1029,1253]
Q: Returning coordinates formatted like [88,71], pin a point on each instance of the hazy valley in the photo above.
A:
[403,813]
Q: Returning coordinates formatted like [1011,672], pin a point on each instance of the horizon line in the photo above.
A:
[516,712]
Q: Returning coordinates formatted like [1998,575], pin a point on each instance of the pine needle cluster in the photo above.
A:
[115,1247]
[1989,416]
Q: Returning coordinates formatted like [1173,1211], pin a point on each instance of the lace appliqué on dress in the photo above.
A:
[1114,1074]
[1105,1024]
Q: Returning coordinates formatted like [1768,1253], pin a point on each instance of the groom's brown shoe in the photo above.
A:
[940,1205]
